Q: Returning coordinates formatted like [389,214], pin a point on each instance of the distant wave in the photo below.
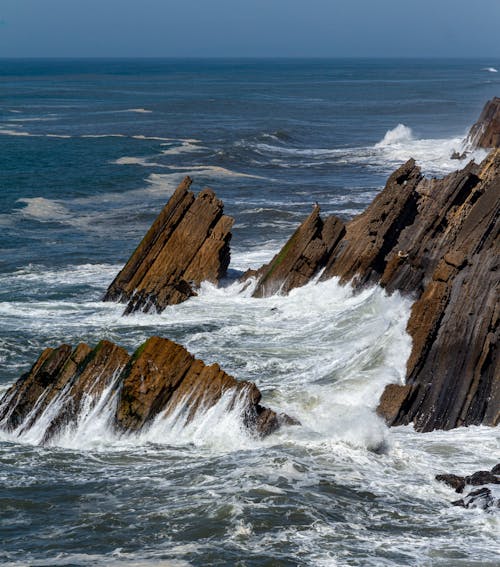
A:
[397,135]
[138,110]
[490,69]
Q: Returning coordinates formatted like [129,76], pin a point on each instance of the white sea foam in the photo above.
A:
[399,134]
[138,110]
[44,210]
[321,354]
[490,69]
[184,147]
[396,146]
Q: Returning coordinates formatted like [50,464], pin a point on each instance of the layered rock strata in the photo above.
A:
[188,243]
[437,240]
[302,257]
[485,133]
[66,386]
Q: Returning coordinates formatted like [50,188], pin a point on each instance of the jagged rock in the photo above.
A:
[481,498]
[360,257]
[453,480]
[485,133]
[301,258]
[188,243]
[65,386]
[482,477]
[437,240]
[457,155]
[452,267]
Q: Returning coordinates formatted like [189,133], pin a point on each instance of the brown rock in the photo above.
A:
[65,386]
[188,243]
[301,258]
[362,255]
[485,133]
[453,366]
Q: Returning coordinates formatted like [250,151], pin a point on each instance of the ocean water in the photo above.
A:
[90,152]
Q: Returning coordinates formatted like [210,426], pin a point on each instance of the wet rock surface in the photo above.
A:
[301,258]
[161,378]
[479,498]
[485,133]
[188,243]
[436,240]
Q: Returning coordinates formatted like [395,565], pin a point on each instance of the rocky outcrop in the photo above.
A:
[437,240]
[481,498]
[66,386]
[485,133]
[301,258]
[188,243]
[449,259]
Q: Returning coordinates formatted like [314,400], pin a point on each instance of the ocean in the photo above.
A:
[90,152]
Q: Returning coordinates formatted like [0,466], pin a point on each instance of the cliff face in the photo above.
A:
[65,385]
[188,243]
[485,133]
[436,239]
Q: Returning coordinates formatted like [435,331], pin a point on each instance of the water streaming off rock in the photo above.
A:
[83,176]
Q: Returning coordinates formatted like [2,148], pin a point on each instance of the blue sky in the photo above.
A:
[250,28]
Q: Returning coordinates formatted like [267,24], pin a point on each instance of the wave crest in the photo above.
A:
[397,135]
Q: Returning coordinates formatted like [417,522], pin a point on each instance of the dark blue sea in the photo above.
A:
[90,151]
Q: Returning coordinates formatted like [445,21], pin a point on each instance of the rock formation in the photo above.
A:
[66,385]
[188,243]
[485,133]
[301,258]
[436,239]
[480,498]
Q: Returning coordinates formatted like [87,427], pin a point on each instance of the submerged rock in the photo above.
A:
[188,243]
[482,498]
[485,133]
[301,258]
[66,386]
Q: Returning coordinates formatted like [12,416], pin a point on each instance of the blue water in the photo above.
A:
[90,151]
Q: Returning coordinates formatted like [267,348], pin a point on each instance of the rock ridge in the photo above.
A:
[188,243]
[66,385]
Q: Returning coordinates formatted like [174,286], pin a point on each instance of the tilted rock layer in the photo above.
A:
[301,258]
[65,385]
[436,239]
[188,243]
[485,133]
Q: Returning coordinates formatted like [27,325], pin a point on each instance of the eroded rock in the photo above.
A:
[485,133]
[66,386]
[301,258]
[188,243]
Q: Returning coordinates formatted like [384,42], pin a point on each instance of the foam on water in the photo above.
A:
[397,146]
[399,134]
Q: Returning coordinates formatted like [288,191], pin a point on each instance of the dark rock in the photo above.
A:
[301,258]
[481,498]
[458,155]
[485,133]
[482,477]
[161,377]
[496,470]
[188,243]
[456,482]
[436,240]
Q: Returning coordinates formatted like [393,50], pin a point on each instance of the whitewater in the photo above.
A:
[84,177]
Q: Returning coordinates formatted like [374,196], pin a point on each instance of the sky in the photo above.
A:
[250,28]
